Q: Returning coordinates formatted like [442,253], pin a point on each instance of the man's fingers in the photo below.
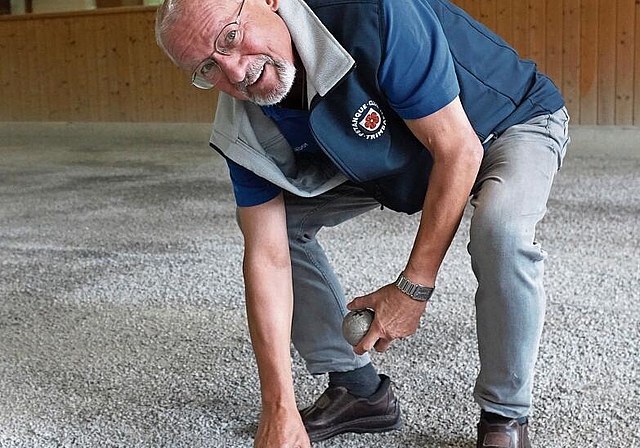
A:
[357,303]
[368,341]
[382,345]
[376,342]
[375,338]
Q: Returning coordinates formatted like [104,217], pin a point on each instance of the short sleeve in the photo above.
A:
[417,72]
[250,189]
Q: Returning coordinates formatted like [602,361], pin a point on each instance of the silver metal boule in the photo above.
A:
[355,325]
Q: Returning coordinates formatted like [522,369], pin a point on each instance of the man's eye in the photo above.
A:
[206,68]
[230,38]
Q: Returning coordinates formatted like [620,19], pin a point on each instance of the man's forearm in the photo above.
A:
[450,183]
[269,302]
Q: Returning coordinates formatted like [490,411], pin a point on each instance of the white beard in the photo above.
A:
[286,74]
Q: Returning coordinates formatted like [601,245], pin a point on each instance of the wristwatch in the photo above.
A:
[417,292]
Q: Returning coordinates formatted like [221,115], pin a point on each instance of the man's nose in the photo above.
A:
[233,66]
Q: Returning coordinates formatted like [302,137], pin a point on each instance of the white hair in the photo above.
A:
[167,15]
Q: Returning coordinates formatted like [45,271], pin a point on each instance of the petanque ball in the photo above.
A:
[355,325]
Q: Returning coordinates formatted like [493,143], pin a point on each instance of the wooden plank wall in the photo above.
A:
[101,65]
[590,48]
[105,65]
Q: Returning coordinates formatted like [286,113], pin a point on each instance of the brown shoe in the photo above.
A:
[337,412]
[506,434]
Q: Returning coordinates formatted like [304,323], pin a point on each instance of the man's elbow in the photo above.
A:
[269,259]
[465,153]
[473,152]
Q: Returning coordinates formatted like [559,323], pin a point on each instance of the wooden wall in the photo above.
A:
[105,65]
[101,65]
[590,48]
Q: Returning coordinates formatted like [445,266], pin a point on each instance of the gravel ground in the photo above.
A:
[122,321]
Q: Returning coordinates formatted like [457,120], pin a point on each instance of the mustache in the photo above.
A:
[254,71]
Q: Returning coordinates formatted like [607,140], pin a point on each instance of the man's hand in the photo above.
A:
[281,428]
[397,316]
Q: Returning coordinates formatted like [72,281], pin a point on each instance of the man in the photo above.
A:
[331,108]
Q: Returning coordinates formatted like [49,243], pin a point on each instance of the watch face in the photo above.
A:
[424,294]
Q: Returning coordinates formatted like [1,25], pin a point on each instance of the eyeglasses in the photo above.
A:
[208,72]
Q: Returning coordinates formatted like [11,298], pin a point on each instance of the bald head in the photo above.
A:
[173,12]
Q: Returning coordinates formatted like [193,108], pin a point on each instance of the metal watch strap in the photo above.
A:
[417,292]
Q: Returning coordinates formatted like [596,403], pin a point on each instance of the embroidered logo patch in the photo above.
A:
[368,121]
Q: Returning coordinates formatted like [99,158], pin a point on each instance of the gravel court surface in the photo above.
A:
[122,321]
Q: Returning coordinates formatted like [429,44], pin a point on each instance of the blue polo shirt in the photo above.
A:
[250,189]
[417,75]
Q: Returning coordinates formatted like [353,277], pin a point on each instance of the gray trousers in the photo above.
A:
[509,198]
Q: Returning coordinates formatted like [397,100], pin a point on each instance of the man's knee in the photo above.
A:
[500,235]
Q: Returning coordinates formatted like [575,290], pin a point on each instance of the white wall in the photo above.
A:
[17,7]
[62,5]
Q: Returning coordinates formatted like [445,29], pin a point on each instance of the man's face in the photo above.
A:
[259,69]
[273,91]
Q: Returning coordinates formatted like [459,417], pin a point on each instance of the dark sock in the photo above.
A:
[362,382]
[497,418]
